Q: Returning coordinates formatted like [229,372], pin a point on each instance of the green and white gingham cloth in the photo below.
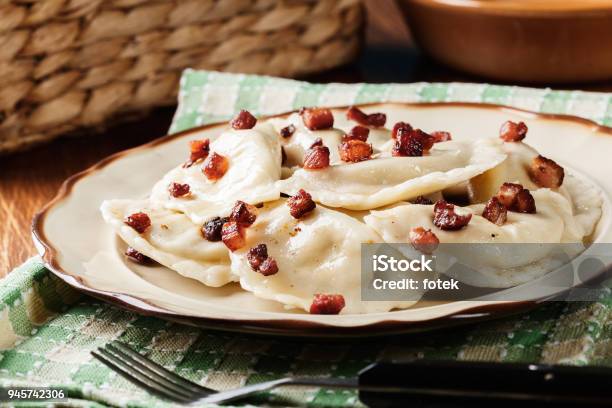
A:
[47,330]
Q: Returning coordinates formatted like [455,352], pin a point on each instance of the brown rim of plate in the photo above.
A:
[286,327]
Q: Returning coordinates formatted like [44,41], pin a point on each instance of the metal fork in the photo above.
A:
[164,383]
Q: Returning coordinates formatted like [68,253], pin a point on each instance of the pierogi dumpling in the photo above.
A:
[172,240]
[319,254]
[297,144]
[385,180]
[497,265]
[254,166]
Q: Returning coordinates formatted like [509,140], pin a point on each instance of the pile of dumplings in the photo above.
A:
[282,206]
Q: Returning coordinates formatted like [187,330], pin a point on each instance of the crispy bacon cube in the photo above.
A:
[233,235]
[546,172]
[215,166]
[440,136]
[516,198]
[268,267]
[198,150]
[373,119]
[257,255]
[400,126]
[135,256]
[212,229]
[354,151]
[300,204]
[411,142]
[287,131]
[357,133]
[243,213]
[495,211]
[139,221]
[317,118]
[423,240]
[447,219]
[316,158]
[243,120]
[327,304]
[512,131]
[178,190]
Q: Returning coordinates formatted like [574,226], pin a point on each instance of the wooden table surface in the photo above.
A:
[28,180]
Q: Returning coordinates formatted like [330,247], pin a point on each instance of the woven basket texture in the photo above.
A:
[71,64]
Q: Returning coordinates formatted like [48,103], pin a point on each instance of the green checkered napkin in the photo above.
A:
[47,330]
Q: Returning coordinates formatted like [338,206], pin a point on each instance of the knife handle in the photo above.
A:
[461,383]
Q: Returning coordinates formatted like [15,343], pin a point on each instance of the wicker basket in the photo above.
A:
[68,64]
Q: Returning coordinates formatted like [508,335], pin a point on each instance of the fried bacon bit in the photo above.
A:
[135,256]
[260,261]
[257,255]
[512,131]
[546,172]
[198,151]
[233,235]
[411,142]
[327,304]
[300,204]
[139,221]
[243,120]
[495,211]
[243,213]
[287,131]
[447,219]
[422,200]
[357,133]
[212,229]
[354,151]
[215,166]
[403,126]
[373,119]
[316,158]
[440,136]
[317,118]
[423,240]
[268,267]
[178,190]
[516,198]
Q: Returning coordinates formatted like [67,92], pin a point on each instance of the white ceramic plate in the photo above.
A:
[82,250]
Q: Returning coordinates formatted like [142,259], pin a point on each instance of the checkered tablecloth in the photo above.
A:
[47,329]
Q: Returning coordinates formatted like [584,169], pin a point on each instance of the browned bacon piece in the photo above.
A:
[257,255]
[300,204]
[440,136]
[516,198]
[215,166]
[447,219]
[317,118]
[423,240]
[354,151]
[135,256]
[212,228]
[316,158]
[512,131]
[233,235]
[198,150]
[495,211]
[139,221]
[243,213]
[357,133]
[178,190]
[546,172]
[268,267]
[243,120]
[373,119]
[327,304]
[287,131]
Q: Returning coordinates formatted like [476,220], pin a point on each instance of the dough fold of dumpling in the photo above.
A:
[172,240]
[385,180]
[254,166]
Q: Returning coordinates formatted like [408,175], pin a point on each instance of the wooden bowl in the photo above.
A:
[548,41]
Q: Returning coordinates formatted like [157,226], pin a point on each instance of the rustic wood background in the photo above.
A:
[28,180]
